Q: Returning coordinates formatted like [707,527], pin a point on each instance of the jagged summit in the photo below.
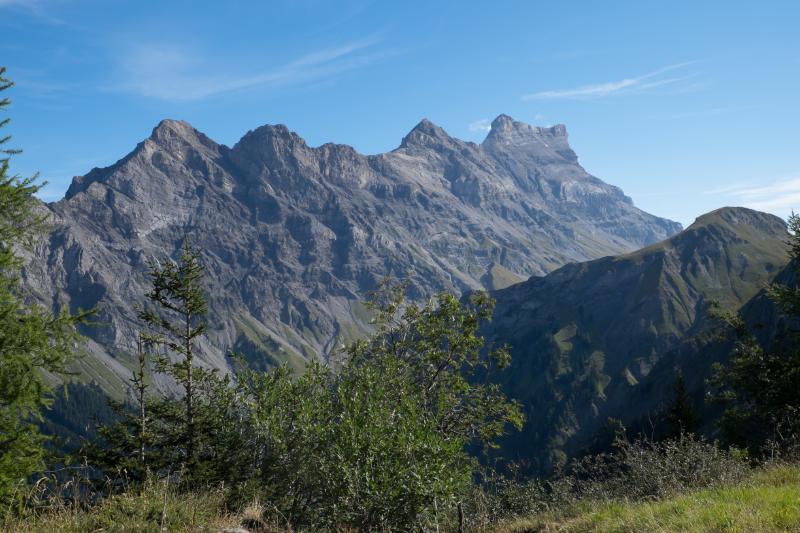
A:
[272,131]
[505,126]
[170,143]
[172,134]
[540,144]
[425,133]
[169,126]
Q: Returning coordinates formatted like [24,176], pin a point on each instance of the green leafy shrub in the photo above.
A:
[381,444]
[637,470]
[643,469]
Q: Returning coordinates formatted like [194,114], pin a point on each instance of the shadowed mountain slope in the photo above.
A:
[585,338]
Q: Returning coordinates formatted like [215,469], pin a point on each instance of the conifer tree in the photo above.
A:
[131,443]
[681,416]
[32,339]
[195,430]
[178,319]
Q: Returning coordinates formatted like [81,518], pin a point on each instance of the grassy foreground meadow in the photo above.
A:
[766,502]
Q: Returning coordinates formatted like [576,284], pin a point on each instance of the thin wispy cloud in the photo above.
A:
[39,9]
[177,74]
[483,125]
[643,83]
[25,4]
[780,197]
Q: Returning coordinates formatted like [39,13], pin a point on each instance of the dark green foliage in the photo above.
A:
[761,385]
[787,296]
[125,441]
[219,444]
[178,319]
[32,340]
[381,443]
[680,415]
[197,436]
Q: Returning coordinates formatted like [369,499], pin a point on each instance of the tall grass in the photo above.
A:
[679,485]
[767,501]
[154,506]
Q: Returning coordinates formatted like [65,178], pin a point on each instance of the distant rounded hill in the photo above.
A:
[604,339]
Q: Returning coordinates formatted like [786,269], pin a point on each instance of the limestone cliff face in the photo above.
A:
[293,236]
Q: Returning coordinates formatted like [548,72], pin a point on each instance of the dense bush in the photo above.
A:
[382,442]
[634,470]
[643,469]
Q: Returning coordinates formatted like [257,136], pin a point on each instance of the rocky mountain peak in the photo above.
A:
[269,141]
[502,123]
[177,135]
[172,143]
[168,128]
[542,143]
[506,127]
[272,131]
[424,134]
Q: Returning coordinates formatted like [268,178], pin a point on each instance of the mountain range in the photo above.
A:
[293,236]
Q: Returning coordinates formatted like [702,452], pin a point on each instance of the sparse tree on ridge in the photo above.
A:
[178,320]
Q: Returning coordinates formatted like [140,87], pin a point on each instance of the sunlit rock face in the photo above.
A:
[294,236]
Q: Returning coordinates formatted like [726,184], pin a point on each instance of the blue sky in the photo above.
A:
[688,106]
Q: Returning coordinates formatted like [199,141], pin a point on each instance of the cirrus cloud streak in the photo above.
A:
[636,84]
[780,197]
[175,74]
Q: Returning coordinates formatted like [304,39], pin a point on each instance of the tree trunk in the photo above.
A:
[141,390]
[189,395]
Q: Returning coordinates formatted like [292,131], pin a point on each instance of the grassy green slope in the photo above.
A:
[769,501]
[585,338]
